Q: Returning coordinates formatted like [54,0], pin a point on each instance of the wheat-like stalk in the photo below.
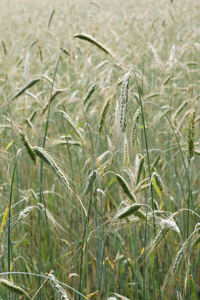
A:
[49,160]
[69,120]
[171,61]
[126,152]
[63,293]
[25,212]
[91,179]
[28,146]
[125,187]
[11,286]
[56,93]
[191,134]
[89,93]
[180,257]
[117,117]
[159,181]
[103,115]
[139,163]
[32,116]
[178,261]
[135,126]
[50,217]
[155,55]
[28,123]
[175,267]
[124,102]
[93,41]
[155,162]
[27,86]
[128,211]
[4,47]
[66,142]
[179,110]
[105,155]
[154,244]
[165,226]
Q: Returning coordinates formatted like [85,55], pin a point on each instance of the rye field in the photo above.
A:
[100,149]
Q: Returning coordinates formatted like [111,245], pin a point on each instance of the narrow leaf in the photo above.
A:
[4,219]
[192,287]
[92,294]
[8,146]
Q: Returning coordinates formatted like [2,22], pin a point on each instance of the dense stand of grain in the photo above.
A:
[99,124]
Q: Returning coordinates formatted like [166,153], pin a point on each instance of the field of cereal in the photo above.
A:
[99,146]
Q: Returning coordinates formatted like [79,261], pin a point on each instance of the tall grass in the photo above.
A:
[99,150]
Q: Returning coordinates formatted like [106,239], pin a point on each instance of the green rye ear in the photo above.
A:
[191,134]
[12,287]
